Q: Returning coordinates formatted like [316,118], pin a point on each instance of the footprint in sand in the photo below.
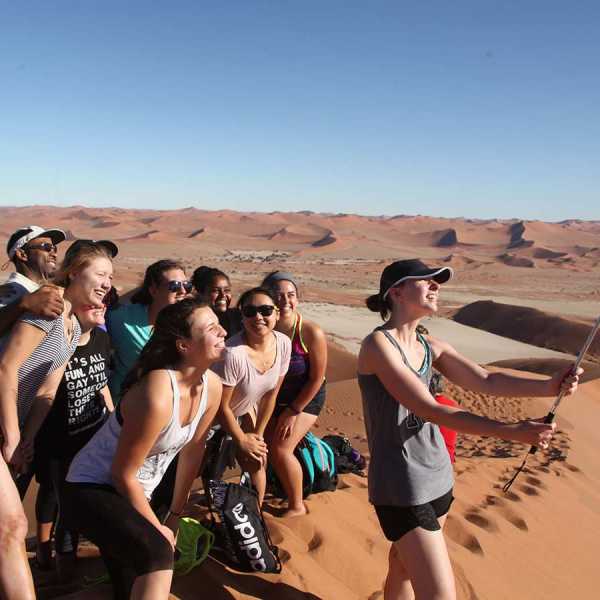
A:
[529,490]
[500,506]
[542,469]
[535,482]
[573,468]
[512,496]
[349,413]
[478,519]
[315,542]
[457,532]
[284,555]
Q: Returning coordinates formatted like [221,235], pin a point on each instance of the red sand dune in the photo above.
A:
[512,260]
[528,325]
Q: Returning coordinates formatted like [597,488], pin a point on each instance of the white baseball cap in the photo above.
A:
[25,234]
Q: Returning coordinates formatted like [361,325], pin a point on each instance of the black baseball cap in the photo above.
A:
[412,268]
[110,247]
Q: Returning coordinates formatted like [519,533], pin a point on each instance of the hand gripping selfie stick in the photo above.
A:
[550,416]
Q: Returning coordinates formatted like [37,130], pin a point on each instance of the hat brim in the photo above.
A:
[111,247]
[440,275]
[56,235]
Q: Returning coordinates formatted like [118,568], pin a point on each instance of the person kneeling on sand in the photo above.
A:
[302,394]
[255,364]
[410,474]
[170,399]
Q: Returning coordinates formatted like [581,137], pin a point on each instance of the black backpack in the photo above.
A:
[241,535]
[347,458]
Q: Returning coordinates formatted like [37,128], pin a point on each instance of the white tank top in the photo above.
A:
[94,461]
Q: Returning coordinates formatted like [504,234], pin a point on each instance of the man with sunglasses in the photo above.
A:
[32,249]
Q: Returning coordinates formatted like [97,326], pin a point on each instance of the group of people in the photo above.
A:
[110,404]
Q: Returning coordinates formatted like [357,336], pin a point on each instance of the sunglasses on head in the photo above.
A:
[45,246]
[175,286]
[250,311]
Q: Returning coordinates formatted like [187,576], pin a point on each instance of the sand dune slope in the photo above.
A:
[528,325]
[528,544]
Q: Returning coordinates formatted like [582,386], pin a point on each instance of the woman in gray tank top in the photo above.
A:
[169,403]
[410,475]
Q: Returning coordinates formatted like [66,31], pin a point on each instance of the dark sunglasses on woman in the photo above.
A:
[250,311]
[175,286]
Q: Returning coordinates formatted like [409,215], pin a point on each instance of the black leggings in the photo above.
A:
[129,544]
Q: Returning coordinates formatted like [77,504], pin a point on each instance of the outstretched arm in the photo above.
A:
[471,376]
[379,357]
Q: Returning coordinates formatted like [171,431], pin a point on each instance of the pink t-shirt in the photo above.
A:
[237,371]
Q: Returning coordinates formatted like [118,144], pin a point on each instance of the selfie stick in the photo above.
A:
[550,416]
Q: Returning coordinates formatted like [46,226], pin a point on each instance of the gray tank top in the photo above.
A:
[94,461]
[409,461]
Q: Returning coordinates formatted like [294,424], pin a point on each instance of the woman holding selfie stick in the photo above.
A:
[410,474]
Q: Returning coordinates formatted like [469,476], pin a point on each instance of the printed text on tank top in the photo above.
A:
[412,421]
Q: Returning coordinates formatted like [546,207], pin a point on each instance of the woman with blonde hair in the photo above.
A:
[36,354]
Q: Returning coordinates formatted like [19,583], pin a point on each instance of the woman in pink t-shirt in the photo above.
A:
[255,364]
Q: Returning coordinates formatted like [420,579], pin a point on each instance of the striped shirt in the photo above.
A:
[50,354]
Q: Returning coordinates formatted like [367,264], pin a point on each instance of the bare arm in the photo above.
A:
[23,340]
[316,343]
[470,375]
[266,406]
[45,302]
[230,420]
[108,401]
[250,443]
[379,357]
[190,457]
[146,410]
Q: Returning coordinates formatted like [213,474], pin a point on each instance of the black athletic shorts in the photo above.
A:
[314,407]
[397,521]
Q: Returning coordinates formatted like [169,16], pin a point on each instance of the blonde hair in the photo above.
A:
[76,261]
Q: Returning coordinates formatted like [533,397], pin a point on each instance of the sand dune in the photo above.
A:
[528,325]
[337,550]
[512,260]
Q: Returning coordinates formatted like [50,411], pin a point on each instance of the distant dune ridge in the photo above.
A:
[528,325]
[569,243]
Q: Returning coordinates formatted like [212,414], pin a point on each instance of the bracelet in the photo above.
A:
[294,409]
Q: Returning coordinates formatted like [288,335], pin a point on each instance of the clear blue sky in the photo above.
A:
[477,109]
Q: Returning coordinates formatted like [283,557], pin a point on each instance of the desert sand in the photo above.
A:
[541,540]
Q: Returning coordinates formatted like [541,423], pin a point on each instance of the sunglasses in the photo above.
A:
[176,286]
[250,311]
[45,246]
